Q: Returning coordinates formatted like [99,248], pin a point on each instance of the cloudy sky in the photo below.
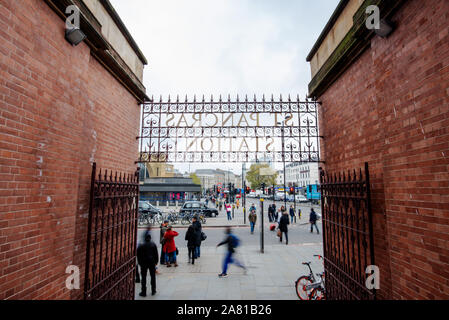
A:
[214,47]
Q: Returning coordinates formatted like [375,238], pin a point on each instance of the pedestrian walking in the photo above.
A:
[283,226]
[299,213]
[170,246]
[162,242]
[193,237]
[270,213]
[201,234]
[275,213]
[228,210]
[292,214]
[233,242]
[252,217]
[312,219]
[147,258]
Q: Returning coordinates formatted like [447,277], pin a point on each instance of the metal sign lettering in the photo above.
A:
[229,131]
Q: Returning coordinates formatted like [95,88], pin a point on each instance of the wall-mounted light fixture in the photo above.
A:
[74,36]
[73,33]
[385,28]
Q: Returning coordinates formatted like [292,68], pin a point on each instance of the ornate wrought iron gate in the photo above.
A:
[347,234]
[112,232]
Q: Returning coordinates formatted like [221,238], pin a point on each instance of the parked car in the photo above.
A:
[145,206]
[279,196]
[301,198]
[199,208]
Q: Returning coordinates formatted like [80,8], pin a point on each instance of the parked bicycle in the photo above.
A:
[172,217]
[308,287]
[187,218]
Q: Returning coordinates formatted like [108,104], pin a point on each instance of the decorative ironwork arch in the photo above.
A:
[230,131]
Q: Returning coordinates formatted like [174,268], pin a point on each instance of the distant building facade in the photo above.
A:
[302,174]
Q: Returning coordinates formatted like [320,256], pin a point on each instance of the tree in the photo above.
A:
[195,179]
[255,179]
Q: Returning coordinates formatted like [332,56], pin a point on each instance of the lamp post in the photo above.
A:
[291,147]
[283,161]
[244,193]
[261,219]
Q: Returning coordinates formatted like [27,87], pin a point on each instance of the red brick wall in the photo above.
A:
[60,110]
[391,109]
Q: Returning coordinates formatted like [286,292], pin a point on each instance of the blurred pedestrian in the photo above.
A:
[283,226]
[313,218]
[147,258]
[252,217]
[233,242]
[170,246]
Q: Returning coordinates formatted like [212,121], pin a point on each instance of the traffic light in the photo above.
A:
[247,190]
[215,188]
[292,190]
[263,187]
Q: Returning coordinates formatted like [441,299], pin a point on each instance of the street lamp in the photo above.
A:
[283,161]
[291,147]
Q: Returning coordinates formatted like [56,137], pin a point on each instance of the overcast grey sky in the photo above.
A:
[225,46]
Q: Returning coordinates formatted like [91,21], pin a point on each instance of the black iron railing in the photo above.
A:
[347,234]
[112,231]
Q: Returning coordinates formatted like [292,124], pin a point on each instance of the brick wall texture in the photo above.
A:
[60,111]
[391,109]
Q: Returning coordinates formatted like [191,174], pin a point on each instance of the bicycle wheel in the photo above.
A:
[317,294]
[301,291]
[185,220]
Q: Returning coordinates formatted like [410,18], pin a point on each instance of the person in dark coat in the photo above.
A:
[283,223]
[161,241]
[292,214]
[199,227]
[270,213]
[313,218]
[147,258]
[193,237]
[275,213]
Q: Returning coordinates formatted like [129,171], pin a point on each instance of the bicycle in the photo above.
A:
[172,217]
[143,218]
[307,287]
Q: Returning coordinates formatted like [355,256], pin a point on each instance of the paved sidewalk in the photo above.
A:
[270,276]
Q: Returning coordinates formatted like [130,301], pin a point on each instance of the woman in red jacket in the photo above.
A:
[170,246]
